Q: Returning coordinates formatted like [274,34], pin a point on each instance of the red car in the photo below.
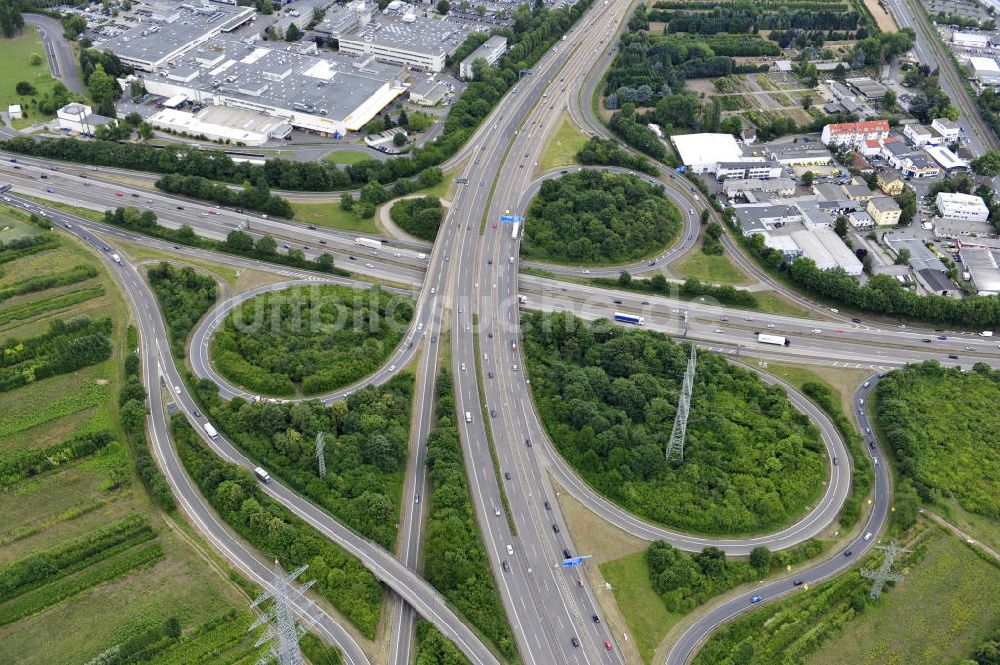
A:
[119,194]
[494,225]
[212,212]
[607,645]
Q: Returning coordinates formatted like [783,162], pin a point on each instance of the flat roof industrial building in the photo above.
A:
[173,30]
[326,93]
[984,266]
[702,153]
[404,36]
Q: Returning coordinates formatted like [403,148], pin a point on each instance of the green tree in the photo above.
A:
[902,257]
[760,558]
[25,88]
[103,90]
[988,164]
[293,34]
[443,7]
[34,59]
[624,278]
[840,226]
[889,100]
[807,178]
[172,627]
[399,139]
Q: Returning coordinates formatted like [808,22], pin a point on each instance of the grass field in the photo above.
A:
[977,526]
[347,157]
[331,215]
[15,53]
[86,213]
[711,268]
[843,382]
[937,615]
[639,604]
[562,147]
[86,495]
[771,303]
[13,229]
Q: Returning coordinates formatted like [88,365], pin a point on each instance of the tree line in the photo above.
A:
[257,197]
[688,290]
[608,397]
[240,243]
[747,18]
[606,152]
[684,581]
[66,346]
[595,216]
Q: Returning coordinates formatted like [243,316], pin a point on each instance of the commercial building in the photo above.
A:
[748,169]
[404,36]
[853,134]
[910,163]
[985,70]
[757,218]
[226,125]
[490,51]
[961,206]
[753,189]
[947,128]
[867,88]
[14,112]
[172,31]
[826,250]
[861,220]
[948,160]
[921,135]
[428,92]
[342,20]
[983,265]
[702,153]
[326,93]
[80,119]
[858,192]
[884,211]
[800,154]
[970,40]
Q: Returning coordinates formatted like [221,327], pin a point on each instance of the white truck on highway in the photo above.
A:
[262,475]
[522,299]
[117,259]
[777,340]
[468,416]
[210,430]
[368,242]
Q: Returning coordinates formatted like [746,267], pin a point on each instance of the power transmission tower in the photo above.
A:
[675,448]
[884,573]
[282,631]
[320,457]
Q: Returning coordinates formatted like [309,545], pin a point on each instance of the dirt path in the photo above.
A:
[961,534]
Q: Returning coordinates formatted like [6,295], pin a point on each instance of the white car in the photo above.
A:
[816,331]
[463,367]
[392,368]
[770,325]
[369,265]
[510,550]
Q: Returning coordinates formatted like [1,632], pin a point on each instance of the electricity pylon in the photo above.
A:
[675,448]
[320,458]
[282,631]
[884,573]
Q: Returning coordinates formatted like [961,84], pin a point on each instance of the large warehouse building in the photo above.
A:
[173,30]
[325,93]
[702,153]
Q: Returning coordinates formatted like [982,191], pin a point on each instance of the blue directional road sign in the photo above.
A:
[510,219]
[574,561]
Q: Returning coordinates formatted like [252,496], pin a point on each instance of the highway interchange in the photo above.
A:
[468,286]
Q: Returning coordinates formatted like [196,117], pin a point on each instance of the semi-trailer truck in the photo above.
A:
[515,229]
[777,340]
[629,318]
[368,242]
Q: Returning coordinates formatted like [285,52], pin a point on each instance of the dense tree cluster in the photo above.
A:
[311,339]
[270,527]
[685,581]
[605,152]
[66,346]
[747,17]
[594,216]
[942,424]
[455,562]
[420,217]
[687,290]
[608,398]
[639,136]
[257,197]
[184,297]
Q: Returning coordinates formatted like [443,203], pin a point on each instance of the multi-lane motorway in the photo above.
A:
[469,286]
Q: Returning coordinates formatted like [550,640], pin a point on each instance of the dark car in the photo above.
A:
[953,356]
[856,320]
[575,642]
[493,413]
[617,302]
[848,552]
[490,374]
[942,337]
[352,258]
[44,177]
[555,527]
[506,566]
[797,583]
[596,619]
[527,442]
[311,227]
[566,553]
[180,207]
[756,599]
[926,341]
[548,506]
[506,475]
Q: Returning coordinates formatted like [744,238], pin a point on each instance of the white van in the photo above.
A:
[468,416]
[262,475]
[868,536]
